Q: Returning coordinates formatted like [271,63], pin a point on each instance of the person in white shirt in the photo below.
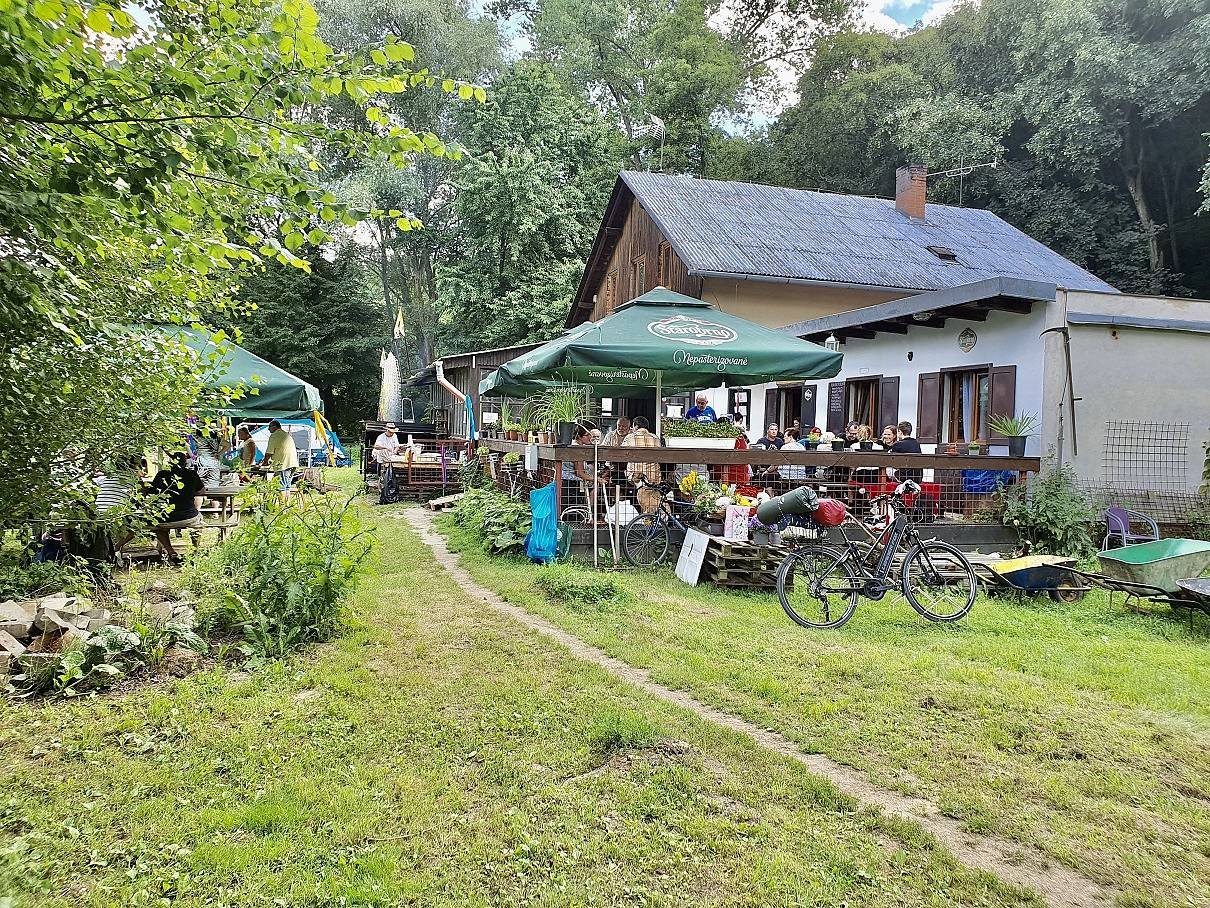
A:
[386,445]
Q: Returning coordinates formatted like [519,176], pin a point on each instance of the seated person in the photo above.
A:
[183,488]
[865,435]
[701,411]
[588,484]
[770,440]
[116,489]
[792,471]
[905,444]
[640,437]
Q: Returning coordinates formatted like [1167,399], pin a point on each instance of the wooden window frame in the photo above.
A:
[638,275]
[611,291]
[663,268]
[875,399]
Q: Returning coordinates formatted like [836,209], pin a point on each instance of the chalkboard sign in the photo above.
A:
[836,407]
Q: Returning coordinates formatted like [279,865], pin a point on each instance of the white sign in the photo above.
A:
[693,554]
[689,330]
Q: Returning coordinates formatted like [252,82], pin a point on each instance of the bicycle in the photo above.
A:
[647,539]
[819,585]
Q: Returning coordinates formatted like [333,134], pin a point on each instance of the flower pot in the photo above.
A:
[760,537]
[838,444]
[973,450]
[1016,445]
[715,528]
[866,445]
[566,432]
[715,444]
[775,537]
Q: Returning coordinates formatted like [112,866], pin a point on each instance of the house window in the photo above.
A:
[611,292]
[965,405]
[664,265]
[943,253]
[861,401]
[638,275]
[739,403]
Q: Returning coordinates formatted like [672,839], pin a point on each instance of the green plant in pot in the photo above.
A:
[1016,429]
[562,408]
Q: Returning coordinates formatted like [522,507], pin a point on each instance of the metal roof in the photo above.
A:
[931,308]
[751,231]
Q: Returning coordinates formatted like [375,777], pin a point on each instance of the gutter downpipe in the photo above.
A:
[472,431]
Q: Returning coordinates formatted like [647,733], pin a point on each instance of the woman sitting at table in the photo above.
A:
[792,471]
[865,436]
[183,489]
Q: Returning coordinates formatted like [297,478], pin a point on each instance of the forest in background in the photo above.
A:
[1096,112]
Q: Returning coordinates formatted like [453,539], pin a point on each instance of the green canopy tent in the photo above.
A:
[270,392]
[664,340]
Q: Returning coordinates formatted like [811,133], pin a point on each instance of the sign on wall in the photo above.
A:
[966,339]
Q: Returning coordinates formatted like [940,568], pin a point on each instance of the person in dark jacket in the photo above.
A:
[183,488]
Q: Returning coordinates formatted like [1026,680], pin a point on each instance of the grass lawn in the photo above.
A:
[435,754]
[1081,729]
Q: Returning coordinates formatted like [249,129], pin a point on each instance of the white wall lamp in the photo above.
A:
[832,343]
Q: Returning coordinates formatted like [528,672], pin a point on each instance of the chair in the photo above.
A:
[1118,523]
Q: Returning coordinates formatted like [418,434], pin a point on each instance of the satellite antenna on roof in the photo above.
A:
[961,171]
[656,129]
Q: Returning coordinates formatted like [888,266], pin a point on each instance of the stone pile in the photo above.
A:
[52,624]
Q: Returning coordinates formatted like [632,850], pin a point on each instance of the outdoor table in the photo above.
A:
[224,498]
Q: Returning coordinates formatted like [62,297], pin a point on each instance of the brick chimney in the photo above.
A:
[910,190]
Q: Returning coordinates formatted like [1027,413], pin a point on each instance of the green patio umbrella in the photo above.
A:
[664,340]
[270,391]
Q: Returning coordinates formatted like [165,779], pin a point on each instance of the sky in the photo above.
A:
[895,15]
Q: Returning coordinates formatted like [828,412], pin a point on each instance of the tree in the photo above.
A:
[141,161]
[529,198]
[326,325]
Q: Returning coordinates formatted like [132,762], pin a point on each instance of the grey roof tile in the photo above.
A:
[771,231]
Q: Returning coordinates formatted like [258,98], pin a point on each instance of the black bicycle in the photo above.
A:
[647,539]
[818,584]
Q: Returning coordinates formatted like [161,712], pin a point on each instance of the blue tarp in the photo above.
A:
[541,545]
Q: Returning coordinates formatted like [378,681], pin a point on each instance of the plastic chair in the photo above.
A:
[1118,528]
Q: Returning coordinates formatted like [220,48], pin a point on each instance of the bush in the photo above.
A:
[1052,516]
[286,573]
[500,520]
[27,581]
[689,428]
[564,583]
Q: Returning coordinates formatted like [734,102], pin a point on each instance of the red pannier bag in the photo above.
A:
[830,513]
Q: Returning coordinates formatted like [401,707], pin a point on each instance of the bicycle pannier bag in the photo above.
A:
[830,512]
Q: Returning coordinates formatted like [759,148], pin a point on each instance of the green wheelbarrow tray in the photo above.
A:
[1161,564]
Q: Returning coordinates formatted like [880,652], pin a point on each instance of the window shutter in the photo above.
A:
[928,408]
[806,414]
[836,407]
[888,403]
[770,410]
[1002,395]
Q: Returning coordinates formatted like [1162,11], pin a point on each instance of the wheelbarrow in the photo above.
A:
[1166,570]
[1033,575]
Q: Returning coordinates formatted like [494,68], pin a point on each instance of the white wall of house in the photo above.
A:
[1006,338]
[1121,373]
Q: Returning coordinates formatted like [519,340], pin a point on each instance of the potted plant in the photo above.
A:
[973,447]
[837,442]
[1016,429]
[506,417]
[814,439]
[762,533]
[686,433]
[562,408]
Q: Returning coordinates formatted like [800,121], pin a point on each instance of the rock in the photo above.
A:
[161,611]
[180,661]
[185,616]
[52,621]
[60,603]
[10,645]
[17,618]
[96,618]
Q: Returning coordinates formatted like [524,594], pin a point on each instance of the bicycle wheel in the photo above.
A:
[817,587]
[646,540]
[938,581]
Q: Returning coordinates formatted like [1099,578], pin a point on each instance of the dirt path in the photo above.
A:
[1013,862]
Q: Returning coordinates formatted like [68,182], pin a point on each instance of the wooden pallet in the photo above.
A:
[444,502]
[742,565]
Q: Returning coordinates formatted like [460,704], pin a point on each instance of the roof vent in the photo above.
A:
[946,255]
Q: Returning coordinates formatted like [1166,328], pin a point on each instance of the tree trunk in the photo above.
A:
[1168,183]
[1132,168]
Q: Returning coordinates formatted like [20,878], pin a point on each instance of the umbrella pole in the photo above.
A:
[659,403]
[592,503]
